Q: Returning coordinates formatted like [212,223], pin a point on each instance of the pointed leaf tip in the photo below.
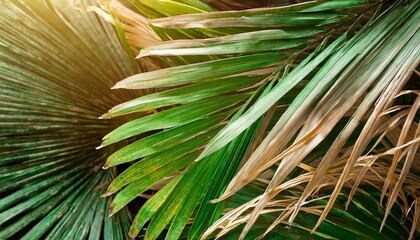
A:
[199,158]
[220,199]
[104,116]
[111,211]
[106,194]
[142,54]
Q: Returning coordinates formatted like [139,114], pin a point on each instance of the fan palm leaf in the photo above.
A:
[57,63]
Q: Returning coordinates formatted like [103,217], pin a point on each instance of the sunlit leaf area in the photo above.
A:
[210,119]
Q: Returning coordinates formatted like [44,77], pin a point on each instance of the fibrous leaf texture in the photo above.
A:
[236,120]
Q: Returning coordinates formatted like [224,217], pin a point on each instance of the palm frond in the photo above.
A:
[249,120]
[57,63]
[192,184]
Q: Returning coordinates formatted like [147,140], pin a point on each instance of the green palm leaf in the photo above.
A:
[244,119]
[186,198]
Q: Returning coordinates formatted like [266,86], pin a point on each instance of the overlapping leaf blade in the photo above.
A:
[249,31]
